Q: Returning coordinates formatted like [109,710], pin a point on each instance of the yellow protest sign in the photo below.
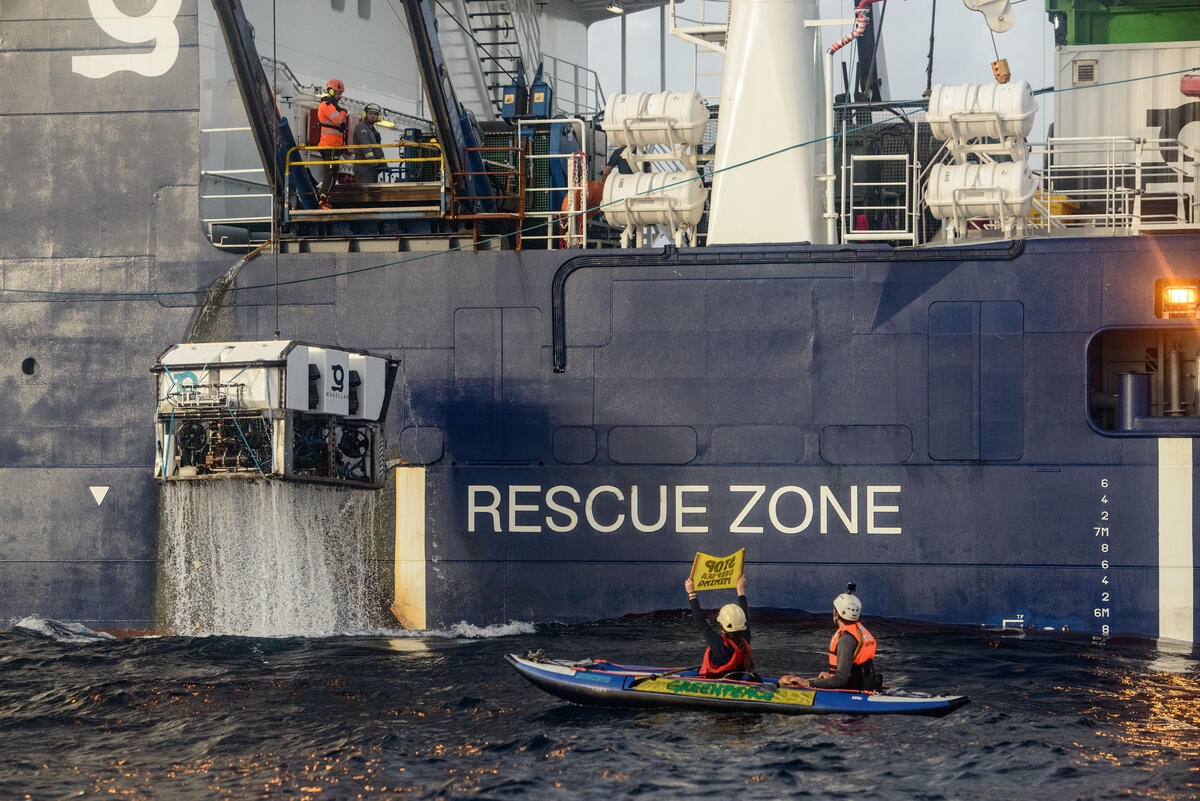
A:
[717,572]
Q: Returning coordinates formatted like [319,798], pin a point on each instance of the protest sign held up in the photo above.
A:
[717,572]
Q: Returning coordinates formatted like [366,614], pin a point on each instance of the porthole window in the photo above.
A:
[29,366]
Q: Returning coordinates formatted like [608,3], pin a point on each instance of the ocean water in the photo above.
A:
[441,715]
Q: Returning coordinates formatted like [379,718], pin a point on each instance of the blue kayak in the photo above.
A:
[599,682]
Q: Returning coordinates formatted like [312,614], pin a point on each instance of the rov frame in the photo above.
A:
[274,409]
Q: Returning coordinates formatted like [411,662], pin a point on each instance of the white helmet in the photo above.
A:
[847,606]
[732,618]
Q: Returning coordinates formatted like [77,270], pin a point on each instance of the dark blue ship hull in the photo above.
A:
[922,428]
[939,426]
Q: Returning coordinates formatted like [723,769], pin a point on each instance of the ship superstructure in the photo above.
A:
[958,366]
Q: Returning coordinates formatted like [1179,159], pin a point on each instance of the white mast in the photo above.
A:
[772,98]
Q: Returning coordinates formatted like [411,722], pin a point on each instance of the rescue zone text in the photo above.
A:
[749,509]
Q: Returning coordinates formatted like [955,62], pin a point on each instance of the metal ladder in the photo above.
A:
[499,29]
[707,35]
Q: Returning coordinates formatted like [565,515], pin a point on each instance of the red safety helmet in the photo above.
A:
[335,85]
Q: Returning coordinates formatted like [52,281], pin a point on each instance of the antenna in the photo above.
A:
[851,587]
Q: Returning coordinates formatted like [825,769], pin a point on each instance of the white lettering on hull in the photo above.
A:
[589,506]
[634,507]
[737,527]
[156,26]
[681,509]
[563,509]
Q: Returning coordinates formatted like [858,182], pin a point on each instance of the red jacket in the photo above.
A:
[741,654]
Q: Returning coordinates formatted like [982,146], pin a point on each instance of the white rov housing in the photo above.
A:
[273,409]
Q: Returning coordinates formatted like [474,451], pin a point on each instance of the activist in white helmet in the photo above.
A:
[728,649]
[851,652]
[847,606]
[732,618]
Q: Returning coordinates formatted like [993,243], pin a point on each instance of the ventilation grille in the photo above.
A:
[1085,72]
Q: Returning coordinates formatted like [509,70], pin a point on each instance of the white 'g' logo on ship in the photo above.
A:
[157,25]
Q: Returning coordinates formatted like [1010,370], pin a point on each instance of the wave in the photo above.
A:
[77,633]
[61,631]
[465,630]
[459,631]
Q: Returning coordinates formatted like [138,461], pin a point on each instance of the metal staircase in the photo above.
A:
[483,40]
[505,34]
[707,34]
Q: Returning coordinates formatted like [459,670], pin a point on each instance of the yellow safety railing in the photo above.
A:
[295,156]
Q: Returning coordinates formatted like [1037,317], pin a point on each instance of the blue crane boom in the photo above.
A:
[454,126]
[271,131]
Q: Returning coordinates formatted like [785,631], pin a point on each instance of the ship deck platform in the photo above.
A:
[378,201]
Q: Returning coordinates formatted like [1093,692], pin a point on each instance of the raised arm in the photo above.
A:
[694,603]
[711,637]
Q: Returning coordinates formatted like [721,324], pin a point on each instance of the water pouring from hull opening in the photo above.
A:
[263,558]
[241,551]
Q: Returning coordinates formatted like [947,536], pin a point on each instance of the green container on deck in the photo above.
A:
[1102,22]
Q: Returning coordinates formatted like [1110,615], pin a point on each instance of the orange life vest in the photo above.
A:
[741,654]
[863,652]
[333,121]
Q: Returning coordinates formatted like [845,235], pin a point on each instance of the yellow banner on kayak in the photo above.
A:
[736,691]
[717,572]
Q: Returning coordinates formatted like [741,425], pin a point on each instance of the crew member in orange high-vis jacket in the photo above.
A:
[334,122]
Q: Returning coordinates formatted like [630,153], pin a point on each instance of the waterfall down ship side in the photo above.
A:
[268,558]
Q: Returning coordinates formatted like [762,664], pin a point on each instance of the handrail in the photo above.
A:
[529,34]
[1103,183]
[513,174]
[552,215]
[308,95]
[292,160]
[587,95]
[339,161]
[904,227]
[1084,184]
[257,204]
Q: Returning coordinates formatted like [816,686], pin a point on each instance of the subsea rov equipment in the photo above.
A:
[271,409]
